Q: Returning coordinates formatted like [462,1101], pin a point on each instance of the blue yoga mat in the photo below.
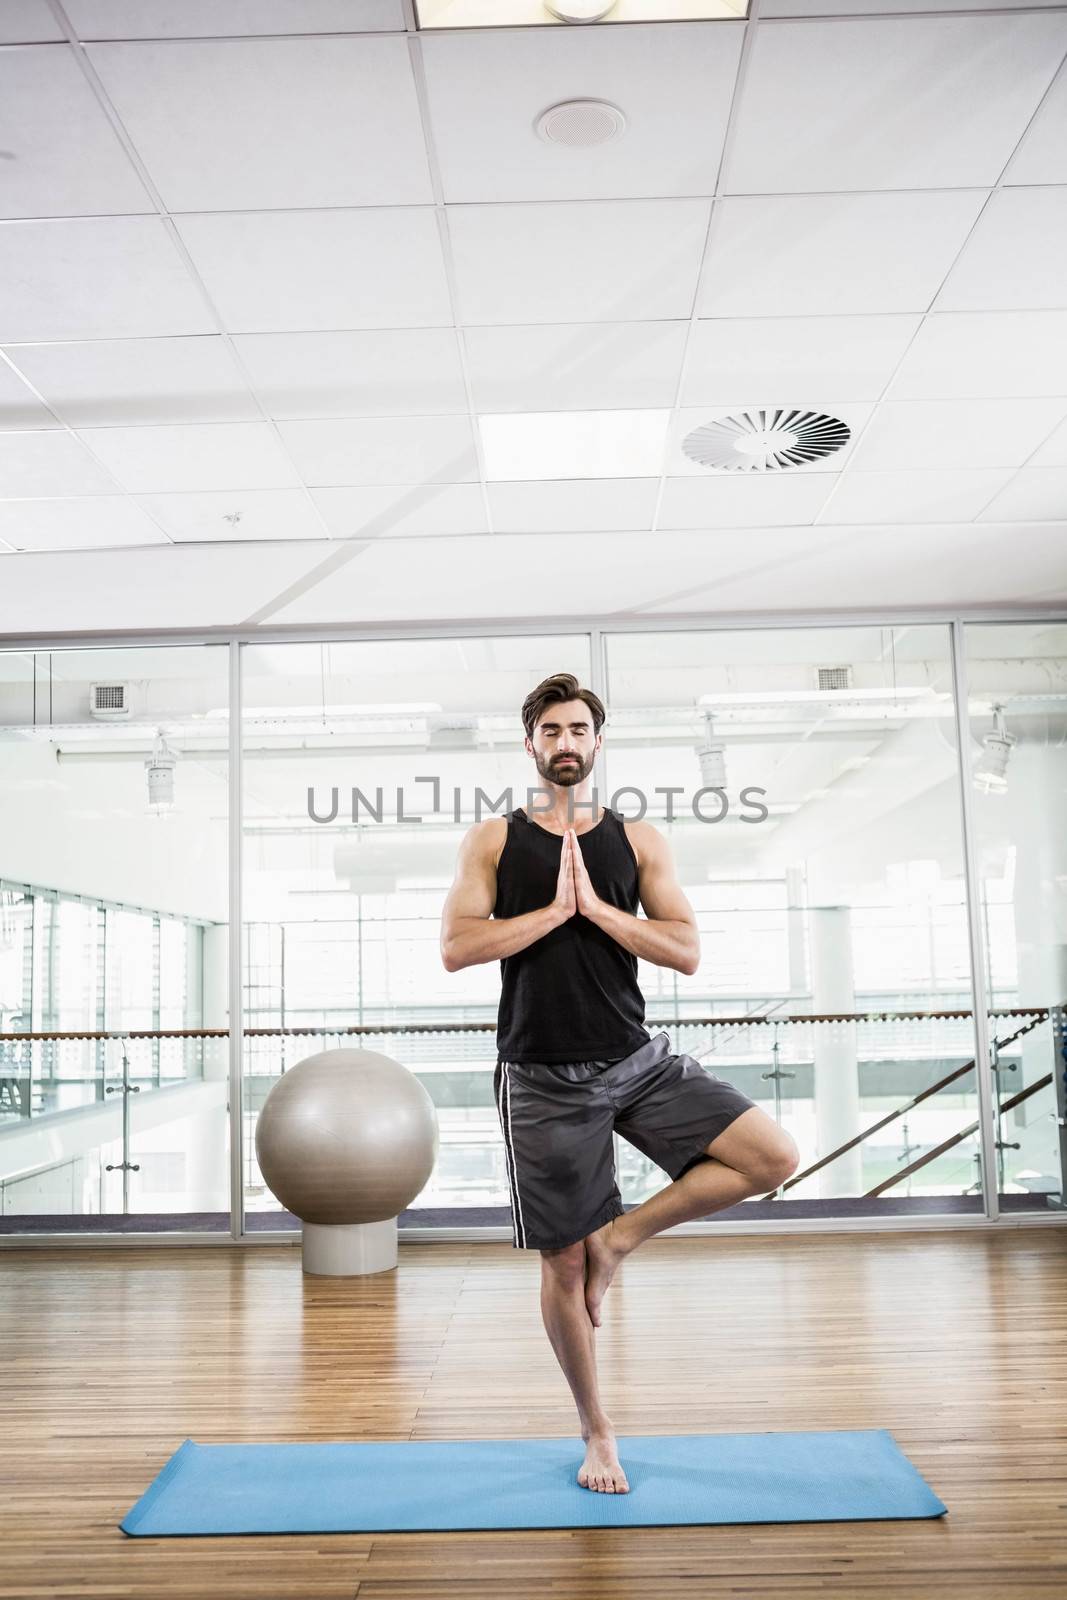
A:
[674,1479]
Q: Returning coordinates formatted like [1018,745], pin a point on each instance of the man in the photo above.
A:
[554,900]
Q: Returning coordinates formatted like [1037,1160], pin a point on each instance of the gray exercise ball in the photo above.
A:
[346,1137]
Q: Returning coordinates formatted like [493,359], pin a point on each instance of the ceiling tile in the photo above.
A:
[859,8]
[18,407]
[95,278]
[573,444]
[379,371]
[679,465]
[238,124]
[515,574]
[955,433]
[1005,353]
[88,523]
[901,496]
[889,566]
[595,505]
[889,103]
[1042,153]
[1037,494]
[782,359]
[199,585]
[575,366]
[723,563]
[108,382]
[49,463]
[386,450]
[486,96]
[287,271]
[230,455]
[756,500]
[1053,453]
[603,261]
[163,19]
[28,22]
[1014,258]
[238,514]
[63,156]
[804,254]
[385,511]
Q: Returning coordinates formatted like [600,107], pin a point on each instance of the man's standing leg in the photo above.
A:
[567,1323]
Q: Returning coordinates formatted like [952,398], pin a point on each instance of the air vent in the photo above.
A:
[581,124]
[835,677]
[109,700]
[765,441]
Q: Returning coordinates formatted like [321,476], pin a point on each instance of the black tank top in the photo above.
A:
[572,995]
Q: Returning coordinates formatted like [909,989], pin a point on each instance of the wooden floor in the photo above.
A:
[955,1342]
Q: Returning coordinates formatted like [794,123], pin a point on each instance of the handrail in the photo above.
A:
[901,1111]
[1038,1013]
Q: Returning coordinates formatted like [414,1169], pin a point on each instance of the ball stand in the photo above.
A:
[349,1249]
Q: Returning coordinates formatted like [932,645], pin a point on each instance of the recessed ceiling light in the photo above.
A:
[766,440]
[581,124]
[442,14]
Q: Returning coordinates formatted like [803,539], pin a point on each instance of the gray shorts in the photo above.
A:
[557,1121]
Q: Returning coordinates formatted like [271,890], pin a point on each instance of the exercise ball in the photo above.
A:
[345,1140]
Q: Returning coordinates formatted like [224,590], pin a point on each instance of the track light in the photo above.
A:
[712,757]
[991,769]
[160,771]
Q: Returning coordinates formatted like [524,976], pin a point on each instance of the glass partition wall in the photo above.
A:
[825,828]
[113,940]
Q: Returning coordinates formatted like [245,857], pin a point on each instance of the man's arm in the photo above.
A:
[468,936]
[669,937]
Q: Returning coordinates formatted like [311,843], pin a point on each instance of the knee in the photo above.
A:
[780,1164]
[566,1266]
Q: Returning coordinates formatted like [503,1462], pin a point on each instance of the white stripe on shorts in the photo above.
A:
[504,1112]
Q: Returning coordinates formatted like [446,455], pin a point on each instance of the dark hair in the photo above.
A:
[562,686]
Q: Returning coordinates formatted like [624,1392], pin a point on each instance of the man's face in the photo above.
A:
[564,745]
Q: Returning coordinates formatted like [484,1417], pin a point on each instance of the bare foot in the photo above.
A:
[604,1249]
[601,1469]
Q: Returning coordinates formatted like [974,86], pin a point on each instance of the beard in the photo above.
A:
[566,775]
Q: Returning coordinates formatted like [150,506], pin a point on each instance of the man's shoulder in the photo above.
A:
[642,836]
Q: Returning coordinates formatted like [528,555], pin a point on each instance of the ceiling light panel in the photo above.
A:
[487,98]
[435,14]
[574,444]
[898,103]
[239,124]
[605,261]
[798,255]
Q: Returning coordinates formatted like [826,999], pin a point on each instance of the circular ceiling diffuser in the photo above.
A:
[581,123]
[765,441]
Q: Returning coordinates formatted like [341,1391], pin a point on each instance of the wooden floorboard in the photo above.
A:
[955,1342]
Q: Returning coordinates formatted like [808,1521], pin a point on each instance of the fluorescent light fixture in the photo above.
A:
[400,708]
[521,446]
[432,14]
[774,697]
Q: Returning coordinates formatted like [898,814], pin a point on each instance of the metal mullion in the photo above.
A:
[987,1131]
